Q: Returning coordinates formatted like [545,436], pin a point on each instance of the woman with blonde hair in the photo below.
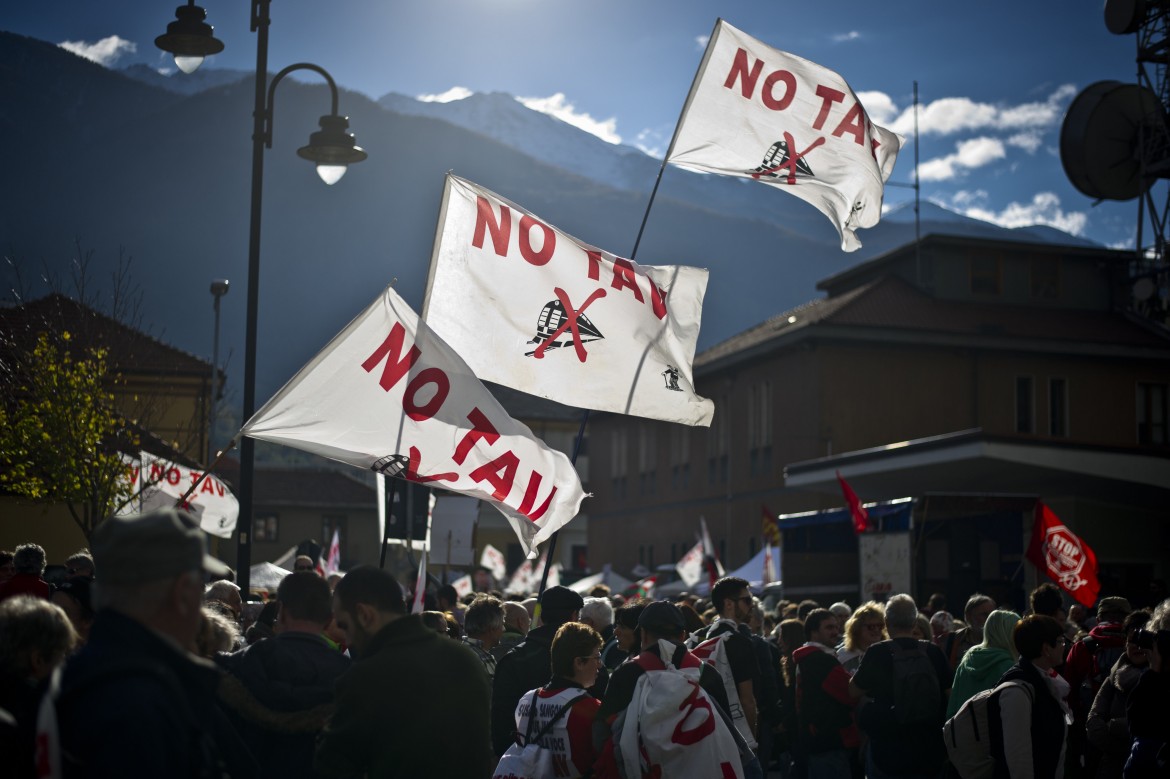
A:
[863,629]
[984,663]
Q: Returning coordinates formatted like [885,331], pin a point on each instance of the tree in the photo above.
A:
[58,444]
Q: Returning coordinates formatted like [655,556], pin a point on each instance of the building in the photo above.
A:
[975,376]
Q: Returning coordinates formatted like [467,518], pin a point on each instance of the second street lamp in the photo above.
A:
[333,149]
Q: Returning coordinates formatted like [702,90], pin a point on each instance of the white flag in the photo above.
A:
[463,586]
[387,394]
[690,567]
[533,308]
[418,604]
[493,559]
[333,557]
[760,113]
[159,483]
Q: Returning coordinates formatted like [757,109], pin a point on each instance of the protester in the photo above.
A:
[295,671]
[225,595]
[528,665]
[865,627]
[74,598]
[265,624]
[626,640]
[941,624]
[484,625]
[597,613]
[1032,723]
[134,700]
[516,623]
[733,655]
[975,613]
[842,612]
[7,569]
[447,600]
[790,637]
[304,563]
[1047,600]
[397,659]
[79,565]
[908,680]
[217,633]
[984,664]
[1148,714]
[827,738]
[576,661]
[1106,725]
[28,562]
[35,638]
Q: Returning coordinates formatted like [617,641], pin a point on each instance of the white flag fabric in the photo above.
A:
[760,113]
[493,559]
[159,483]
[332,562]
[531,307]
[387,394]
[463,586]
[690,567]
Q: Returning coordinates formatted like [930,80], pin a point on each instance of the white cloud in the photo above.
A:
[651,142]
[879,106]
[974,153]
[451,95]
[843,37]
[701,41]
[558,106]
[1044,209]
[965,198]
[105,52]
[951,115]
[1029,141]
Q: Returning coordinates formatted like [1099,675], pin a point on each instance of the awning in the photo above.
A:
[894,515]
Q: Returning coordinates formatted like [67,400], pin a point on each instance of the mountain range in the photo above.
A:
[141,164]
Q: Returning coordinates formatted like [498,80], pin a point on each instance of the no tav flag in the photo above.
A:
[387,394]
[759,113]
[530,307]
[1067,560]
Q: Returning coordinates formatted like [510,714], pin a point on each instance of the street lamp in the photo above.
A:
[332,148]
[189,38]
[219,288]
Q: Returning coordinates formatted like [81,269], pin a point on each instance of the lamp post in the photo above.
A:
[332,148]
[219,288]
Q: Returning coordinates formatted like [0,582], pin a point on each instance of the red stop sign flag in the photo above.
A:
[1066,559]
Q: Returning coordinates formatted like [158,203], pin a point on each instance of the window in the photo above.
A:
[985,275]
[760,428]
[266,527]
[1045,278]
[1058,407]
[1151,414]
[1024,404]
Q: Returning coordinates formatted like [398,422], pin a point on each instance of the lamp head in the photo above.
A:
[189,38]
[219,287]
[332,148]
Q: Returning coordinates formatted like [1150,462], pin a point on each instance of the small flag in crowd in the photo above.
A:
[856,510]
[763,114]
[1067,560]
[388,394]
[643,588]
[770,528]
[493,559]
[710,559]
[332,562]
[690,568]
[531,307]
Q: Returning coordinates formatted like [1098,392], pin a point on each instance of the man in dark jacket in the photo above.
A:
[295,671]
[827,739]
[134,701]
[529,664]
[408,689]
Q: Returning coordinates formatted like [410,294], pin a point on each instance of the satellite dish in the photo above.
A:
[1124,17]
[1099,141]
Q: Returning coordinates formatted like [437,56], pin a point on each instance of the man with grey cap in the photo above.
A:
[529,664]
[135,701]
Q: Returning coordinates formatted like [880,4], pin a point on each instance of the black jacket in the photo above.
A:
[133,704]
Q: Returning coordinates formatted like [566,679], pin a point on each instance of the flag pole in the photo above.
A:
[552,541]
[231,445]
[674,137]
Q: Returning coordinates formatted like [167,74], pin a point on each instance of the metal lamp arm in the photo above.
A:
[270,103]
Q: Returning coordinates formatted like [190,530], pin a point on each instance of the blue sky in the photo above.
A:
[995,78]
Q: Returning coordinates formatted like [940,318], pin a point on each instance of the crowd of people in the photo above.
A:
[145,659]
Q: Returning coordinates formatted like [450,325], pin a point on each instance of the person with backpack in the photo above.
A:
[984,664]
[732,653]
[559,716]
[907,680]
[1029,727]
[1085,669]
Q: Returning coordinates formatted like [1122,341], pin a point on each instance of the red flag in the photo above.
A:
[856,510]
[770,529]
[1066,559]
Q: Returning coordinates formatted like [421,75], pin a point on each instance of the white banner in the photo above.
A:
[493,559]
[760,113]
[690,567]
[159,483]
[533,308]
[884,561]
[387,394]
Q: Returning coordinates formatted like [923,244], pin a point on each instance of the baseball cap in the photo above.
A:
[663,615]
[561,598]
[147,547]
[1113,605]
